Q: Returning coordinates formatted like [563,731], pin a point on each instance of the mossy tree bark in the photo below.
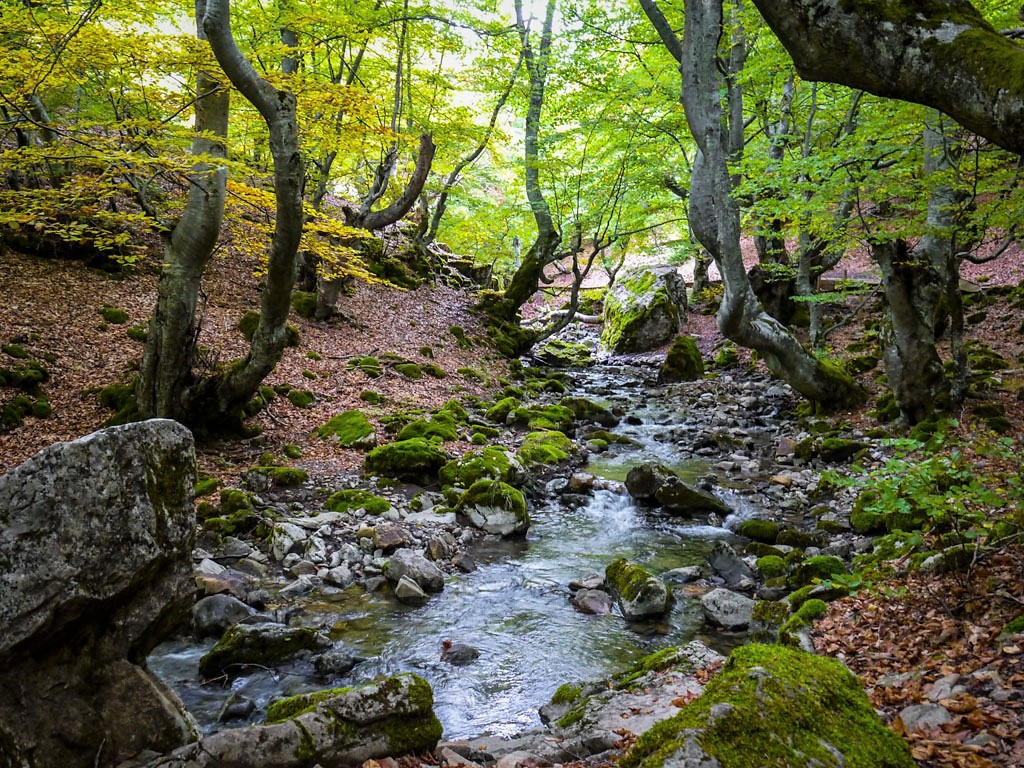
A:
[944,55]
[714,212]
[169,386]
[170,355]
[527,277]
[922,290]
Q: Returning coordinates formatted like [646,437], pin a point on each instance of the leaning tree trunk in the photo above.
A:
[714,213]
[170,356]
[218,401]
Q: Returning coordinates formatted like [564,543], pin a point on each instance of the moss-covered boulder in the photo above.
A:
[837,449]
[586,410]
[336,727]
[774,707]
[639,593]
[642,311]
[543,417]
[494,507]
[498,413]
[263,644]
[564,354]
[766,531]
[351,429]
[351,499]
[545,448]
[440,426]
[368,365]
[682,363]
[814,569]
[655,483]
[416,460]
[491,463]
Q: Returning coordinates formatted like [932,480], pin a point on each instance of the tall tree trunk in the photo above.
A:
[715,213]
[170,354]
[527,277]
[919,285]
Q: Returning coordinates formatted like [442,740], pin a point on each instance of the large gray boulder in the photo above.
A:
[655,483]
[643,310]
[96,539]
[727,609]
[412,564]
[335,727]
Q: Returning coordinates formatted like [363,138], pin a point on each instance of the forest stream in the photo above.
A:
[515,607]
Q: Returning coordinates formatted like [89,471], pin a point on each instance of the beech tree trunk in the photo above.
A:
[527,277]
[169,359]
[922,289]
[714,212]
[943,55]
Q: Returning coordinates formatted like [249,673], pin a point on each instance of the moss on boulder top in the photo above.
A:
[545,447]
[440,426]
[537,417]
[351,428]
[588,411]
[564,354]
[640,595]
[494,507]
[261,644]
[490,463]
[416,460]
[642,311]
[775,707]
[350,499]
[682,363]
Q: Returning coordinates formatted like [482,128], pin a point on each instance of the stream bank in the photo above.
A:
[509,599]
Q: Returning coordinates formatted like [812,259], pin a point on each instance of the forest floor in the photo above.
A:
[937,626]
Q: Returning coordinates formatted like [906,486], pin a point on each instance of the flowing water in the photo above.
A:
[515,608]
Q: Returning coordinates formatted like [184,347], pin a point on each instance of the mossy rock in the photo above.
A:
[113,315]
[368,365]
[814,592]
[453,409]
[291,451]
[371,397]
[494,507]
[138,333]
[587,410]
[611,438]
[639,593]
[440,426]
[837,449]
[673,657]
[771,566]
[813,569]
[293,706]
[301,398]
[864,519]
[792,537]
[861,364]
[415,460]
[642,310]
[803,618]
[351,428]
[552,385]
[490,463]
[410,370]
[727,356]
[459,334]
[544,417]
[433,370]
[351,499]
[545,448]
[282,477]
[767,619]
[304,303]
[205,485]
[261,644]
[498,413]
[775,707]
[682,363]
[564,354]
[766,531]
[17,351]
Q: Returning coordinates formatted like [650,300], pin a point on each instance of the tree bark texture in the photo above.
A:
[169,359]
[714,212]
[220,401]
[941,54]
[527,277]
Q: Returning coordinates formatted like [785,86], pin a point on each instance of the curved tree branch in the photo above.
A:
[941,54]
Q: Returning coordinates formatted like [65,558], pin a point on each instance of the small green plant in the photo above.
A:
[939,499]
